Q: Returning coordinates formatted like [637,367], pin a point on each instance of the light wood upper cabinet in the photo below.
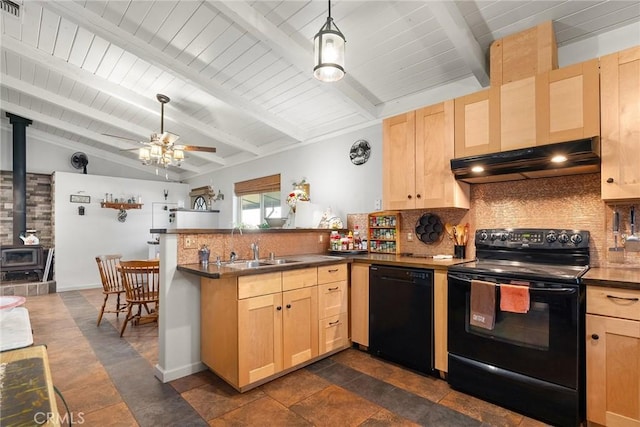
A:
[477,126]
[517,111]
[620,125]
[360,304]
[613,356]
[398,161]
[568,103]
[416,171]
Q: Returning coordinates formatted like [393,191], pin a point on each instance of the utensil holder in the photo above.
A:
[459,251]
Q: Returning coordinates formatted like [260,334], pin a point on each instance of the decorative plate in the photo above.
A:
[360,152]
[10,301]
[429,228]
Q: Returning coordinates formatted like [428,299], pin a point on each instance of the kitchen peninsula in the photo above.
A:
[183,279]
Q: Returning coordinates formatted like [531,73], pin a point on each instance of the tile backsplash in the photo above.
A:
[571,202]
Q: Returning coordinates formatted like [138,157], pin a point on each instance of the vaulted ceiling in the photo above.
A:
[239,73]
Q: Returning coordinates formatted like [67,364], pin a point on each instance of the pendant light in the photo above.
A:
[328,52]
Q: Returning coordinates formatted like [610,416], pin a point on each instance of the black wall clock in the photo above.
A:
[360,152]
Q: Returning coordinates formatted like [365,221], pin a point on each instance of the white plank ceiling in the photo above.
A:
[239,73]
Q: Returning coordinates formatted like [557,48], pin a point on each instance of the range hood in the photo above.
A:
[582,156]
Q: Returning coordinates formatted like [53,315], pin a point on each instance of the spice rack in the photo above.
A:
[384,232]
[120,206]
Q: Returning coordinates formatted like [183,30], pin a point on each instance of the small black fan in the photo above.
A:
[80,160]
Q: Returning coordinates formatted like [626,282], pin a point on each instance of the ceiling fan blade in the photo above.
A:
[120,137]
[195,148]
[169,138]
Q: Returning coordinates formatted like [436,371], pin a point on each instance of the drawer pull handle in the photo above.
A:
[334,323]
[623,298]
[333,289]
[595,336]
[333,270]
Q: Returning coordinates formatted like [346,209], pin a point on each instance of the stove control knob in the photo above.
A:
[503,236]
[563,238]
[483,235]
[576,239]
[551,237]
[494,236]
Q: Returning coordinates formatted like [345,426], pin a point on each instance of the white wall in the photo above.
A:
[335,181]
[79,239]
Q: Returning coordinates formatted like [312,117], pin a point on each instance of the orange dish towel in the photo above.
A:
[483,304]
[514,298]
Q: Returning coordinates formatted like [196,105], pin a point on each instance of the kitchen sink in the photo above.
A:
[279,261]
[247,264]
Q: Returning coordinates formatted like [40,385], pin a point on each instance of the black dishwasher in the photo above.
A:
[401,316]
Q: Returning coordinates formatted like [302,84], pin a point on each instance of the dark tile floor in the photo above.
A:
[108,381]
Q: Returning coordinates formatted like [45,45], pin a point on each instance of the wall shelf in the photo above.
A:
[121,206]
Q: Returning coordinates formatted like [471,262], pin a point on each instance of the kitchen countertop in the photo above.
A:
[613,277]
[214,271]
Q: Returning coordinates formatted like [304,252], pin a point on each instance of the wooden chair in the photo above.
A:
[111,283]
[141,280]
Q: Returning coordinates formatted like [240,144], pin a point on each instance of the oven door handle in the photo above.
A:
[551,290]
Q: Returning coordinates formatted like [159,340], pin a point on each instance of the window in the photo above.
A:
[200,204]
[258,199]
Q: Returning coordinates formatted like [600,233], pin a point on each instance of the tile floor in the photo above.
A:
[108,381]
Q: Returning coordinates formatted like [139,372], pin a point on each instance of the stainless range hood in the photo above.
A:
[582,156]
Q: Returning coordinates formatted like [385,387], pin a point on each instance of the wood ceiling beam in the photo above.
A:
[454,25]
[299,56]
[77,130]
[125,95]
[128,42]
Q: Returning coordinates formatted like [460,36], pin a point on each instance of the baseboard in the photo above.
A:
[183,371]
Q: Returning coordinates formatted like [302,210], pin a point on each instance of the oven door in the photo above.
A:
[543,343]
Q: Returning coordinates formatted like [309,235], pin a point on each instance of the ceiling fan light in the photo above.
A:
[178,155]
[144,154]
[329,52]
[156,151]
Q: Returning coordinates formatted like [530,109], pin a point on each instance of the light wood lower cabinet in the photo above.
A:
[613,356]
[359,315]
[333,307]
[440,321]
[255,328]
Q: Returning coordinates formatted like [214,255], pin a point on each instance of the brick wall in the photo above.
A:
[39,207]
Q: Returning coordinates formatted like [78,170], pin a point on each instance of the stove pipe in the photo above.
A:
[19,175]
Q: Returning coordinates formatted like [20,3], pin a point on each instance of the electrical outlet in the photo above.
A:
[189,242]
[410,237]
[377,204]
[320,238]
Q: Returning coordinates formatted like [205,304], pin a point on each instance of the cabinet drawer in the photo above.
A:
[334,333]
[615,302]
[301,278]
[332,273]
[332,299]
[259,284]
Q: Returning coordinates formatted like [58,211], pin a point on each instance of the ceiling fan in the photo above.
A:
[161,149]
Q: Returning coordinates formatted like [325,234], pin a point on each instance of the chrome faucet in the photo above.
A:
[233,255]
[255,249]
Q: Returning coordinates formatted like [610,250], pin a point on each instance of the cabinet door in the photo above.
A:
[360,304]
[477,123]
[568,103]
[299,325]
[334,333]
[613,371]
[620,127]
[398,162]
[518,114]
[436,186]
[259,337]
[332,299]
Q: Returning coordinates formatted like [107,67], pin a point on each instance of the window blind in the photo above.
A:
[264,184]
